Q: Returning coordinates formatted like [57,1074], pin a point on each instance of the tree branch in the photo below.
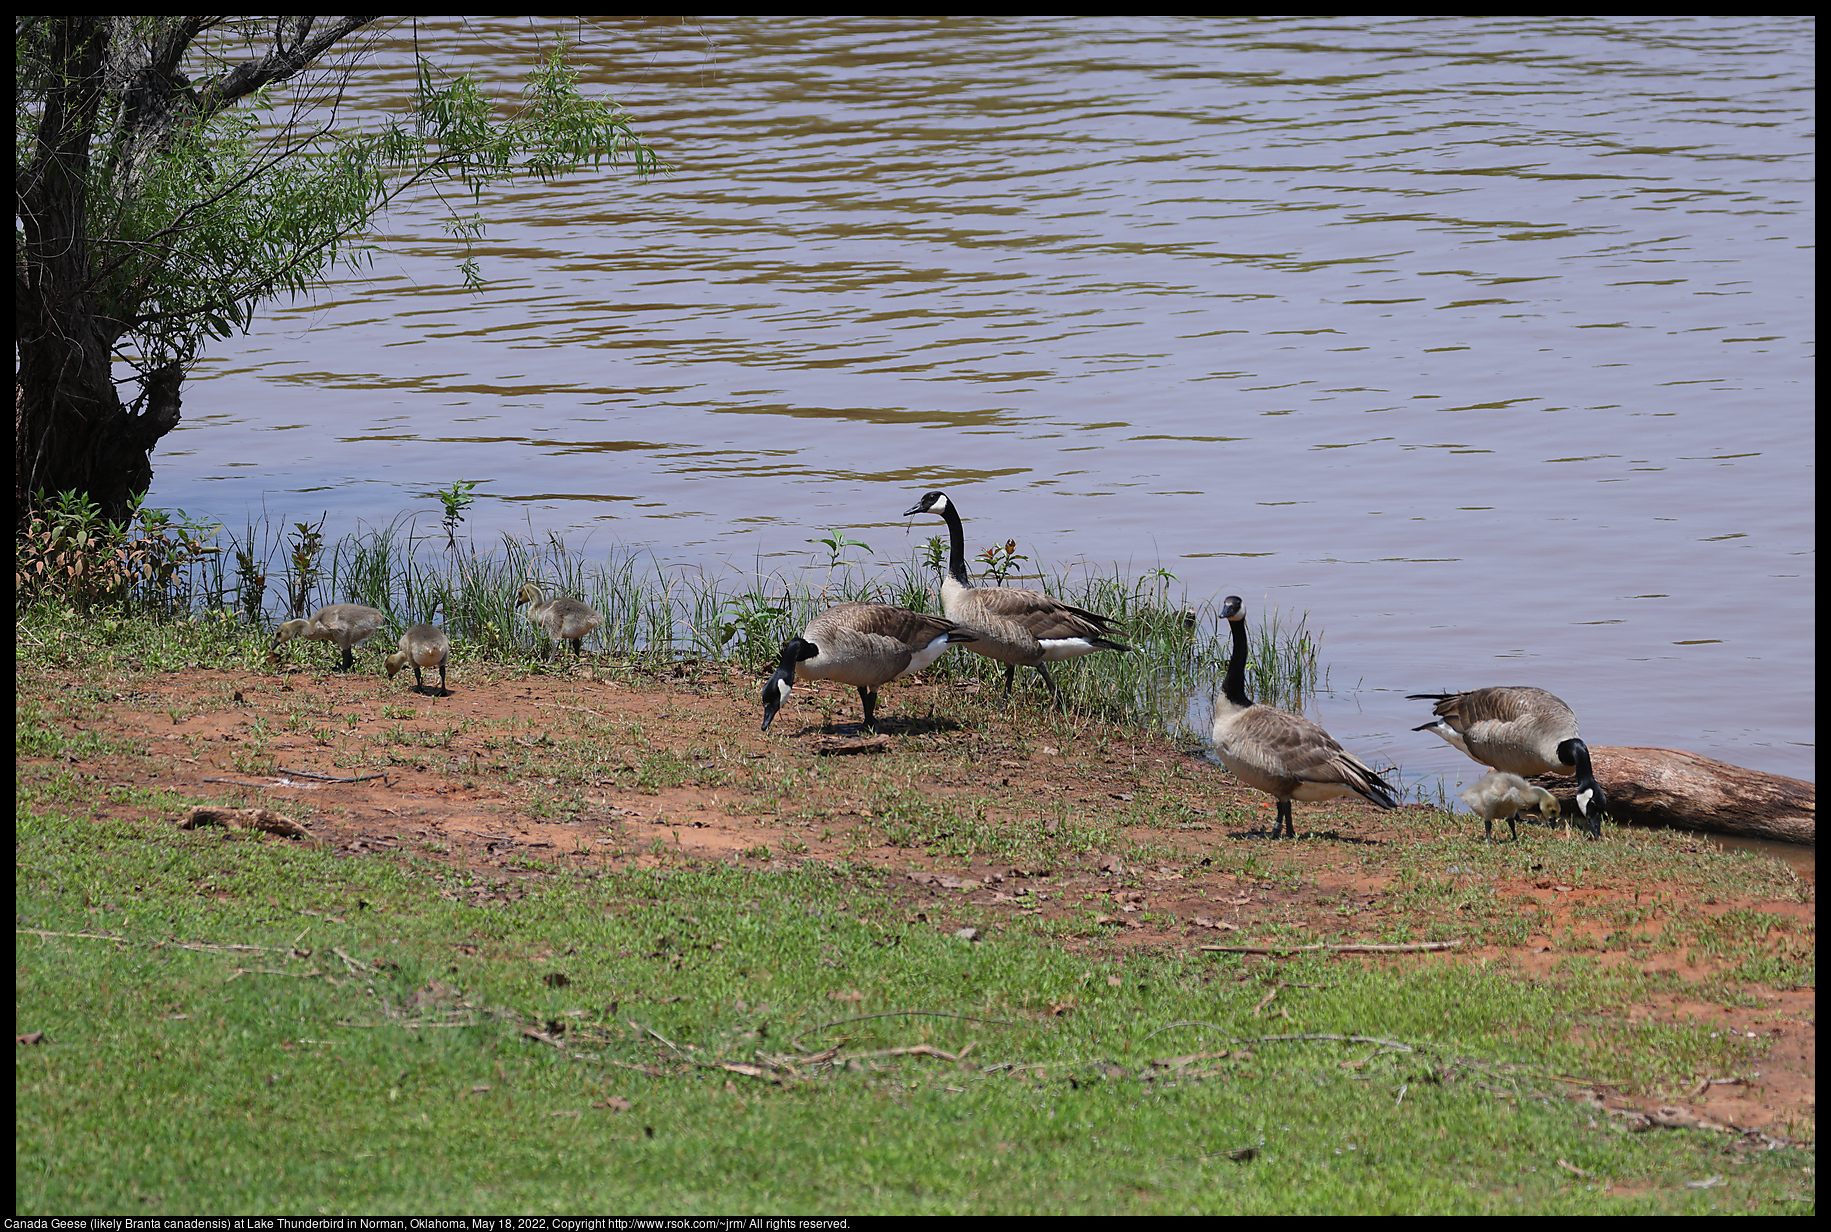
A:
[286,61]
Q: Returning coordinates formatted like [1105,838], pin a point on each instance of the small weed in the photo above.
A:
[837,543]
[303,565]
[456,499]
[1001,562]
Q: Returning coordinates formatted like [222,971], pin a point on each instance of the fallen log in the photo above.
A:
[1670,787]
[246,819]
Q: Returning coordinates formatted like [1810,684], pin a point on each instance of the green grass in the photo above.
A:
[372,1057]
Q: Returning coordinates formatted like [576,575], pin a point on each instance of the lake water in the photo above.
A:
[1485,342]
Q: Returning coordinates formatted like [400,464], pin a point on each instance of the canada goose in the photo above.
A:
[862,644]
[1499,794]
[422,646]
[1520,730]
[345,624]
[1284,755]
[1024,628]
[561,618]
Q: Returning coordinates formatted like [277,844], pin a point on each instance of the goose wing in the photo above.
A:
[1514,727]
[868,644]
[913,630]
[1503,704]
[569,618]
[1276,747]
[1046,618]
[426,645]
[348,622]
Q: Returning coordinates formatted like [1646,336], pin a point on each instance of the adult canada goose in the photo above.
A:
[1499,794]
[1520,730]
[343,624]
[1284,755]
[1019,628]
[862,644]
[422,646]
[561,618]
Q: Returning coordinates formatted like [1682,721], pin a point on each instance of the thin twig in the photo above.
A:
[736,1067]
[39,932]
[200,946]
[331,778]
[1346,1039]
[914,1050]
[1172,1026]
[1353,948]
[898,1014]
[658,1035]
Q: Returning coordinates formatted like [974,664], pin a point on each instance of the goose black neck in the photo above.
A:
[791,655]
[1577,753]
[956,550]
[1233,685]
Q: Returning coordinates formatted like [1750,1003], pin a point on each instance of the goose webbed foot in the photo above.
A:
[1282,820]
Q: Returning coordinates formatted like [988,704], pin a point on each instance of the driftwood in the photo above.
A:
[1670,787]
[246,819]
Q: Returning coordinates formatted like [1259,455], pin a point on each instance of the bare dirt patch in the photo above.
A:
[513,778]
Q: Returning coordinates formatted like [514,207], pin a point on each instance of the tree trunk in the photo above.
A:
[71,430]
[1670,787]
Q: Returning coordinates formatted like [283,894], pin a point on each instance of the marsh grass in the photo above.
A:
[655,613]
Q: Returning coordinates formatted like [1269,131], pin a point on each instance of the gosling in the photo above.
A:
[562,619]
[1499,794]
[344,624]
[422,646]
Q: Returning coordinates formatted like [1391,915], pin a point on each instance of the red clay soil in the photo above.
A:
[454,802]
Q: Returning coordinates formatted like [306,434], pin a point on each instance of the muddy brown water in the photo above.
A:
[1485,342]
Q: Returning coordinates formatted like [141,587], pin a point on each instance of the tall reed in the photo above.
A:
[656,611]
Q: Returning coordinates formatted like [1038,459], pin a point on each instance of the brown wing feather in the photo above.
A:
[1045,617]
[1282,753]
[912,630]
[1030,614]
[1510,727]
[1502,704]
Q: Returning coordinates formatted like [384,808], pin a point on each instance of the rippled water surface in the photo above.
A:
[1486,343]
